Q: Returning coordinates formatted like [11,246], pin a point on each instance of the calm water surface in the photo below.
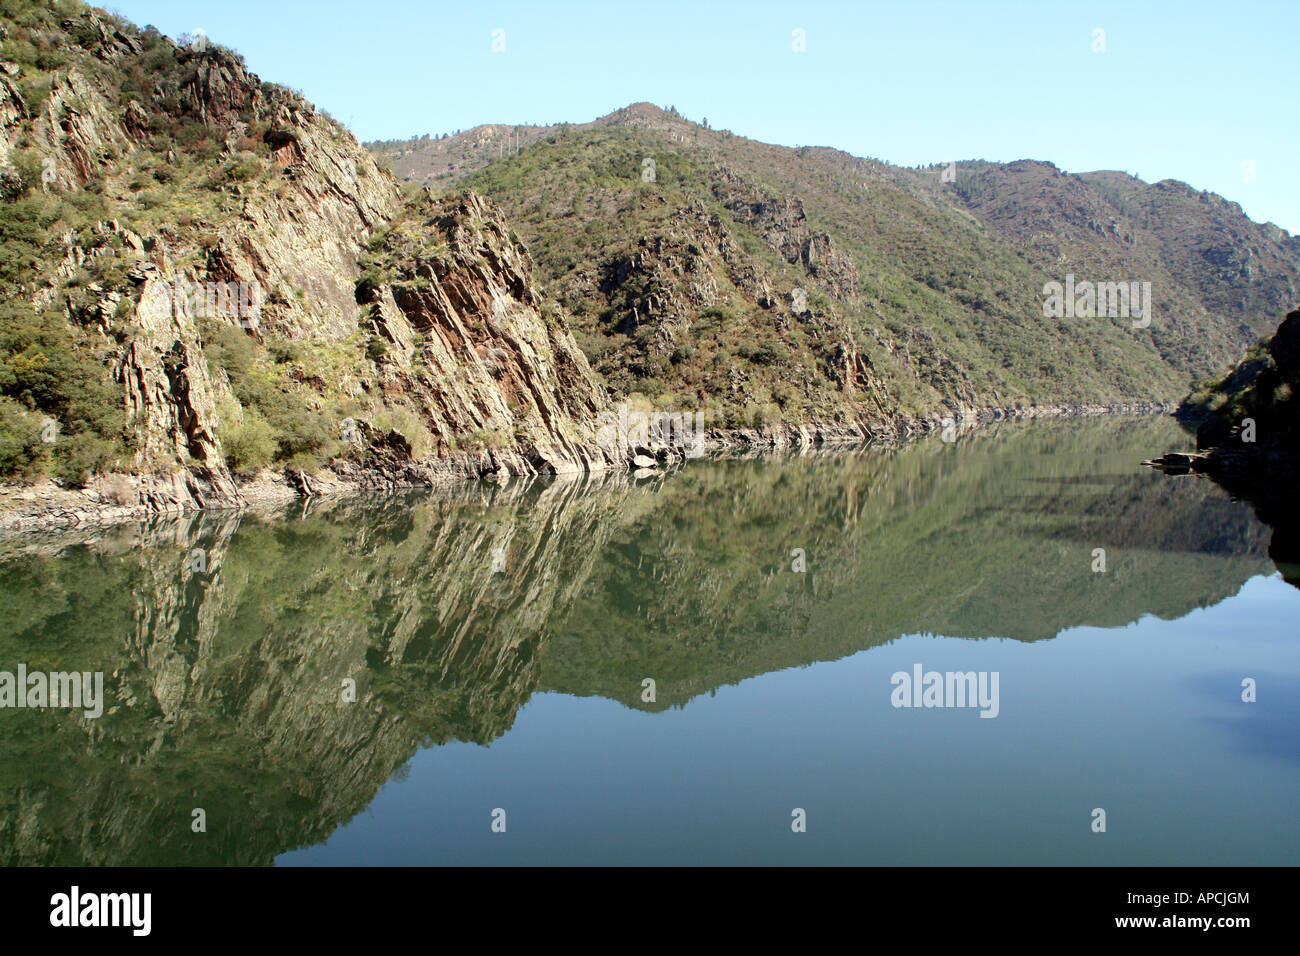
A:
[500,637]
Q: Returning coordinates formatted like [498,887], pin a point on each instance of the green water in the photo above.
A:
[500,639]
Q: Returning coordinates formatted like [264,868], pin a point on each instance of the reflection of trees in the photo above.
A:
[1271,492]
[225,682]
[990,536]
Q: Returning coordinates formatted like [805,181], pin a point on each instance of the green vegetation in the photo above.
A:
[938,309]
[276,423]
[1263,388]
[166,171]
[936,286]
[52,373]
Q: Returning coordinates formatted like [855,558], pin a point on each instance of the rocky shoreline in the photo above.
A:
[111,499]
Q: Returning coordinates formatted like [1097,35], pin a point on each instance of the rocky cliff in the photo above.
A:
[251,305]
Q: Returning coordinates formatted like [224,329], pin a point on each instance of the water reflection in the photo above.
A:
[227,641]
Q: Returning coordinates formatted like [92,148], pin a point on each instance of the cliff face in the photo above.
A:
[199,253]
[467,341]
[1255,407]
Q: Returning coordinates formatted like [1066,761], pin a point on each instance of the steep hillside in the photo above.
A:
[1261,388]
[765,283]
[1201,250]
[182,248]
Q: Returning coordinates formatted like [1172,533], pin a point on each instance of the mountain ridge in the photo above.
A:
[678,250]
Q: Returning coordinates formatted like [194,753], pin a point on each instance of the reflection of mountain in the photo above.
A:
[991,537]
[224,684]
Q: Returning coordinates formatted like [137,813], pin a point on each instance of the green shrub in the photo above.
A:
[21,449]
[250,444]
[298,428]
[239,170]
[769,352]
[82,455]
[46,366]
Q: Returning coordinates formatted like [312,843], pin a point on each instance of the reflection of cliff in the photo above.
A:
[1275,504]
[225,684]
[225,641]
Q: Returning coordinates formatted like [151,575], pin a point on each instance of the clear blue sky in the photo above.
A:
[1183,90]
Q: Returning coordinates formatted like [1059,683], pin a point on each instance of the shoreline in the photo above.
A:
[45,506]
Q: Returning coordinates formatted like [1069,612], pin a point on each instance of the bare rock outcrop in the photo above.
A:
[488,365]
[462,346]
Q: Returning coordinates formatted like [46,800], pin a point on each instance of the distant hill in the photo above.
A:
[704,269]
